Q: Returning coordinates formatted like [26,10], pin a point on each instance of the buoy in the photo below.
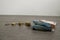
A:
[28,24]
[19,24]
[13,23]
[7,24]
